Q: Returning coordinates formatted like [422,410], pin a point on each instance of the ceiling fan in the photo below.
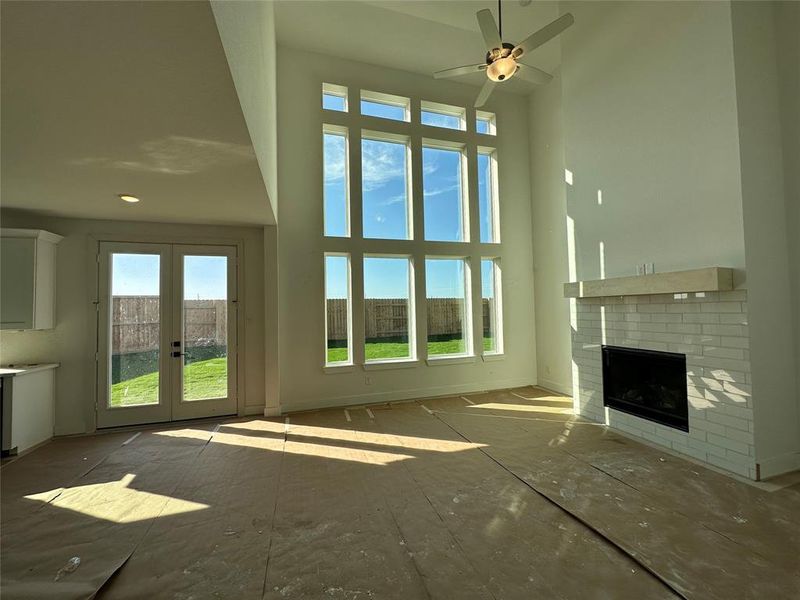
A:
[503,60]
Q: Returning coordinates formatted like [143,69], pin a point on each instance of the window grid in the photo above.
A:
[473,250]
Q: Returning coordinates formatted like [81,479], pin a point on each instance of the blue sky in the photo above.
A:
[138,275]
[388,277]
[385,208]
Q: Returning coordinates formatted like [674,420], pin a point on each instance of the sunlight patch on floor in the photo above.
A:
[116,502]
[557,410]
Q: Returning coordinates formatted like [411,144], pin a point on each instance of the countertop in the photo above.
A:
[17,370]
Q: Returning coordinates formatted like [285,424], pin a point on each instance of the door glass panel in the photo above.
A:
[135,329]
[205,327]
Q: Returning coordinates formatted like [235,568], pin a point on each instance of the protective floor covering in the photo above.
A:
[499,495]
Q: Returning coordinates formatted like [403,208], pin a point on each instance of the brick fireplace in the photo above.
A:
[710,329]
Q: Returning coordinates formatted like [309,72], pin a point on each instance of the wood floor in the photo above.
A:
[500,495]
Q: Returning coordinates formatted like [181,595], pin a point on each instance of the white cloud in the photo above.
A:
[442,190]
[380,163]
[335,158]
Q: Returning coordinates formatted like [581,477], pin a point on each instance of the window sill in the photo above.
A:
[379,365]
[343,368]
[493,357]
[450,360]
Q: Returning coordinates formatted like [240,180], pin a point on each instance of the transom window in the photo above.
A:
[424,232]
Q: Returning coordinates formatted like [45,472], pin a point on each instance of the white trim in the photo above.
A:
[777,465]
[380,365]
[348,308]
[333,368]
[558,387]
[450,359]
[389,100]
[490,118]
[399,395]
[331,89]
[447,110]
[493,356]
[39,234]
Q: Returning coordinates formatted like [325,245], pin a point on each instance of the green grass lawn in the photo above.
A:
[202,379]
[386,350]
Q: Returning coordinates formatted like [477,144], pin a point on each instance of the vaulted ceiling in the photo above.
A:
[417,36]
[104,98]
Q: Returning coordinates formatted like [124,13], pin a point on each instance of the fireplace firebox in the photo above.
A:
[647,384]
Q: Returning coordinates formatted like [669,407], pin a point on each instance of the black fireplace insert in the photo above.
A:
[646,383]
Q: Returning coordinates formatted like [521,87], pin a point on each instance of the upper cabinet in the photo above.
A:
[28,279]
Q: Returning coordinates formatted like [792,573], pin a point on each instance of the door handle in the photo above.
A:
[177,354]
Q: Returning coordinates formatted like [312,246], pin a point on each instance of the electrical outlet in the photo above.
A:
[650,268]
[368,380]
[640,269]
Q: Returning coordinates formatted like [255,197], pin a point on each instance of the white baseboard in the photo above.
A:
[398,395]
[778,465]
[555,386]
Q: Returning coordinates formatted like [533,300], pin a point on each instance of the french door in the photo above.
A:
[166,332]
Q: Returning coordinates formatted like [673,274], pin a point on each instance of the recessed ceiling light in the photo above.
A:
[128,198]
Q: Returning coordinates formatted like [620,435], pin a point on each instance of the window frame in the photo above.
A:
[448,110]
[411,310]
[497,289]
[383,136]
[387,100]
[489,118]
[339,91]
[350,356]
[494,198]
[328,129]
[464,185]
[468,317]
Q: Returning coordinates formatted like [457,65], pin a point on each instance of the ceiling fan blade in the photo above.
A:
[545,34]
[489,30]
[458,71]
[532,74]
[485,92]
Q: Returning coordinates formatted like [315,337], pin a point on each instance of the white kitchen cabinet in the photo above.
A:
[28,279]
[27,406]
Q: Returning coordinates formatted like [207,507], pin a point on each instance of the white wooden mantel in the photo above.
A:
[707,279]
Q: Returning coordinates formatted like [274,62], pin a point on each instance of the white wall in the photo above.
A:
[550,257]
[787,25]
[770,301]
[247,31]
[650,122]
[646,116]
[684,116]
[72,342]
[304,383]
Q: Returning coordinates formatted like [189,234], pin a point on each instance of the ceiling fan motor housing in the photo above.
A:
[501,64]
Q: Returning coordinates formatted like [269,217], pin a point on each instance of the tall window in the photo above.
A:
[491,305]
[404,232]
[487,196]
[445,208]
[385,185]
[339,331]
[335,184]
[388,308]
[447,285]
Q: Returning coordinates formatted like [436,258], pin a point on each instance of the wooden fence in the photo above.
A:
[135,323]
[388,317]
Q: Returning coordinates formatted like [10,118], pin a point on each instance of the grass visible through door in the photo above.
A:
[203,379]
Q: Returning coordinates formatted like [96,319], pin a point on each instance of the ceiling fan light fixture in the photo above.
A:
[502,69]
